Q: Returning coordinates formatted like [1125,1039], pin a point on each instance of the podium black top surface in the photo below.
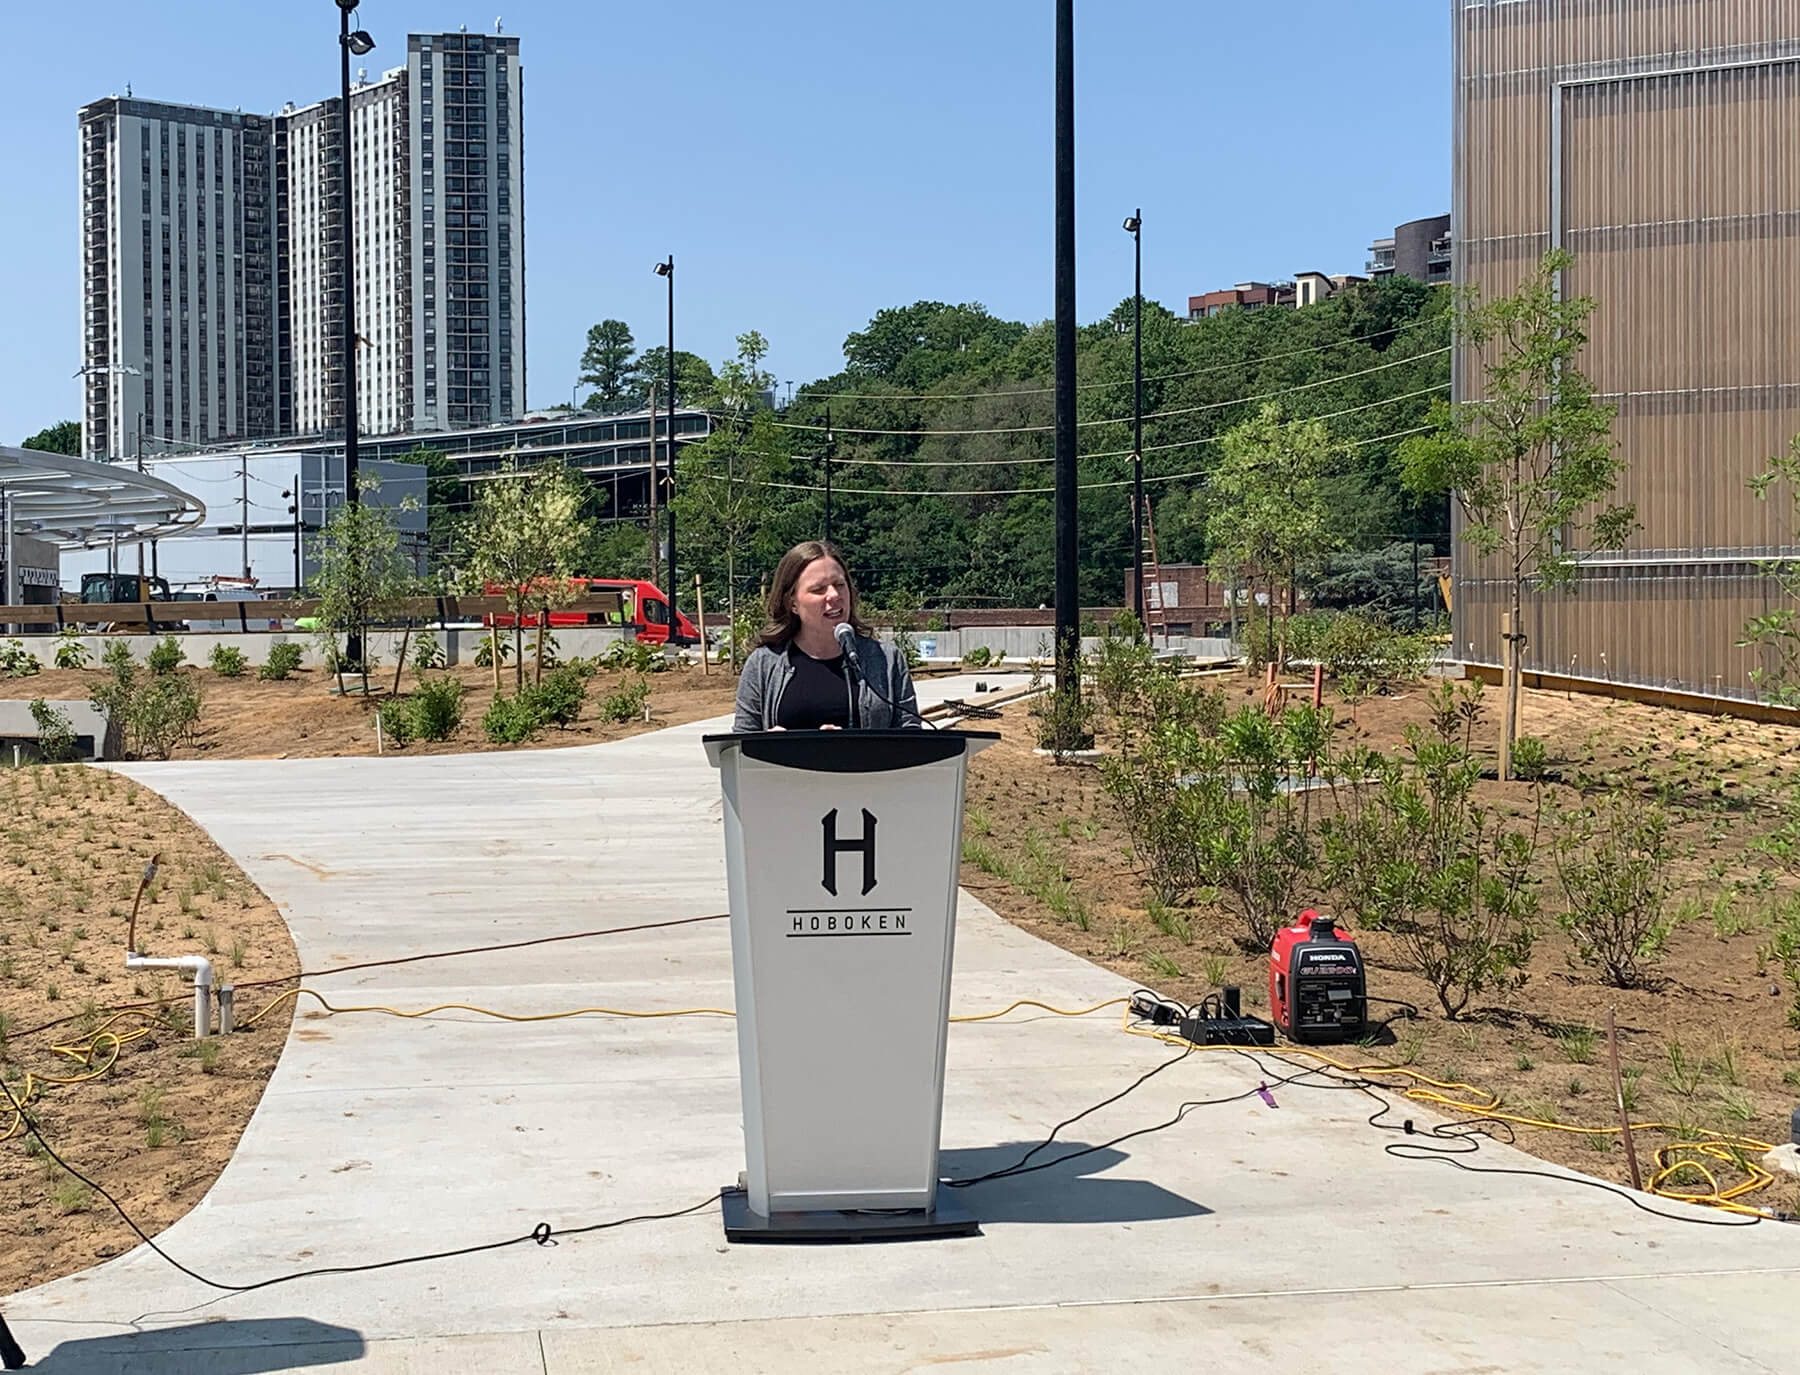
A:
[849,751]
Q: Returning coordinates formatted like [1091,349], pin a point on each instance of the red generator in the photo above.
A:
[1317,989]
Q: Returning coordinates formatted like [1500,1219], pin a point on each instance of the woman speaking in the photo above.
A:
[815,665]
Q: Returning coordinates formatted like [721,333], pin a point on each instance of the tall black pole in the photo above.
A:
[1068,612]
[674,584]
[347,249]
[353,645]
[1137,411]
[830,439]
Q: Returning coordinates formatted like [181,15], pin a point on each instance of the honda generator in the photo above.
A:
[1317,990]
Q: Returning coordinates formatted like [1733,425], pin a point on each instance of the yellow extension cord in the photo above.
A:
[1677,1158]
[1695,1160]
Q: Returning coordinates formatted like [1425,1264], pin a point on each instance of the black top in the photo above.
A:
[817,695]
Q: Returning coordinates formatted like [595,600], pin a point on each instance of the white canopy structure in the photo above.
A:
[76,504]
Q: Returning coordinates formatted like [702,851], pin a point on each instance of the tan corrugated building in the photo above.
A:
[1659,142]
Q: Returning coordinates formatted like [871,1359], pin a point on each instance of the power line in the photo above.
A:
[1021,491]
[1120,420]
[1094,386]
[1112,453]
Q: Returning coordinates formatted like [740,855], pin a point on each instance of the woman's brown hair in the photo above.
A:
[782,624]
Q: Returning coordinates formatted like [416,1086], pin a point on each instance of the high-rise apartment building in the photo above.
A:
[177,275]
[212,270]
[1660,145]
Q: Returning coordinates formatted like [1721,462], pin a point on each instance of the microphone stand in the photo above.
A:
[846,638]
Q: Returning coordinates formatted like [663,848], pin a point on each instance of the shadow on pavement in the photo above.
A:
[1062,1193]
[248,1347]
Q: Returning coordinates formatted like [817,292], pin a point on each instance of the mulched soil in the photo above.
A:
[1708,1045]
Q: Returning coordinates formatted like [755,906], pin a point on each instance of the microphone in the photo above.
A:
[846,638]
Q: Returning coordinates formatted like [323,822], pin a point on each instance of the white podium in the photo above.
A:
[841,855]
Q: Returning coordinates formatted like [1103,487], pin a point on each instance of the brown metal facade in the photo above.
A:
[1659,142]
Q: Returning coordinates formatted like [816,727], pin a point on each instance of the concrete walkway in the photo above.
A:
[1269,1238]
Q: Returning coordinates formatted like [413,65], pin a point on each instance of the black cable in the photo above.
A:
[1016,1166]
[1021,1167]
[543,1234]
[402,959]
[1464,1138]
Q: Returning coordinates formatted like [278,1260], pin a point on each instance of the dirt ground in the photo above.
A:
[1707,1046]
[303,716]
[156,1126]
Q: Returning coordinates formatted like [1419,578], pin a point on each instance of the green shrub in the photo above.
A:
[18,662]
[550,647]
[979,657]
[166,655]
[1410,851]
[1612,861]
[626,703]
[228,661]
[395,719]
[558,699]
[1065,722]
[427,653]
[1530,760]
[117,658]
[56,733]
[484,657]
[437,708]
[584,668]
[511,720]
[638,656]
[283,660]
[1122,662]
[163,713]
[70,651]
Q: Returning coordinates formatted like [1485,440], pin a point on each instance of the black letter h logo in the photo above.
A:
[834,847]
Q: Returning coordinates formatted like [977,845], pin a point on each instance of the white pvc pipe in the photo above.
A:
[201,968]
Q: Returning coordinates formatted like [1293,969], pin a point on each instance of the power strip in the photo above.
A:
[1227,1031]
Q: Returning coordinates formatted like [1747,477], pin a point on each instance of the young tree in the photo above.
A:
[722,498]
[526,535]
[1530,462]
[360,573]
[1778,632]
[1268,508]
[606,363]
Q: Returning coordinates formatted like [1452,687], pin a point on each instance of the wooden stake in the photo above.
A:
[700,612]
[1612,1047]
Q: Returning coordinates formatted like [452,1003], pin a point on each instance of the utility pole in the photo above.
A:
[244,513]
[830,441]
[9,589]
[1068,611]
[1136,225]
[139,445]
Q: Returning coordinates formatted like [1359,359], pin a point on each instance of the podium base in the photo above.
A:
[742,1225]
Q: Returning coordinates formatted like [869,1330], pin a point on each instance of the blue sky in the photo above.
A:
[808,163]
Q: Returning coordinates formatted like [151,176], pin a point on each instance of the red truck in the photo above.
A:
[642,604]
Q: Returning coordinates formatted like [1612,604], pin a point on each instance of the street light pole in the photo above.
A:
[1068,612]
[349,41]
[1135,225]
[667,269]
[359,42]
